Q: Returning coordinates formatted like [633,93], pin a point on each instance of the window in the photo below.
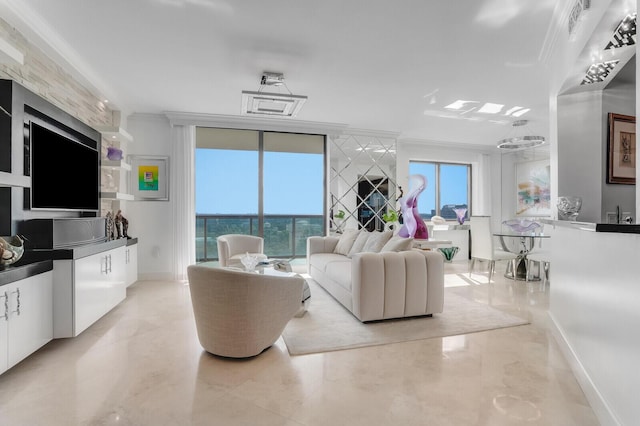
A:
[448,188]
[268,184]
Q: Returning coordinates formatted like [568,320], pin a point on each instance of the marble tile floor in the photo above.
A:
[141,364]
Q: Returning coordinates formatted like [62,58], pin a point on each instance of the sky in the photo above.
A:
[227,182]
[453,184]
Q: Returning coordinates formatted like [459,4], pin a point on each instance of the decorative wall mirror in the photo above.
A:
[362,181]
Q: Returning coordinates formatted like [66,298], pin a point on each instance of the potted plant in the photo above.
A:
[390,218]
[338,218]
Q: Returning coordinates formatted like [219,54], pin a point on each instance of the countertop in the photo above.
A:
[76,252]
[21,270]
[623,228]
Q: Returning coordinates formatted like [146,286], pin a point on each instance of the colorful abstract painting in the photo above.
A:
[148,178]
[533,188]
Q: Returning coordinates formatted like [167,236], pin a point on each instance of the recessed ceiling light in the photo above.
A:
[522,112]
[489,108]
[459,104]
[512,110]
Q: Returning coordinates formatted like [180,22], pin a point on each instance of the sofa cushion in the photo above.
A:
[376,241]
[397,243]
[358,244]
[340,272]
[346,241]
[322,261]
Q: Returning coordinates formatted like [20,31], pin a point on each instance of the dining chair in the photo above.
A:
[541,256]
[483,245]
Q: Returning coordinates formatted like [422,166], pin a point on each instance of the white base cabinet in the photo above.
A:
[85,289]
[25,318]
[131,259]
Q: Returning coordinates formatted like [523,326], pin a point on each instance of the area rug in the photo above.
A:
[328,326]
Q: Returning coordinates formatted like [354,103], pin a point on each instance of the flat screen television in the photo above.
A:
[65,171]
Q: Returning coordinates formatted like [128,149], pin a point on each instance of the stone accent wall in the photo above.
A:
[44,77]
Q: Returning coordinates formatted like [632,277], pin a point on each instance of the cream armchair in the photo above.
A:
[239,314]
[232,247]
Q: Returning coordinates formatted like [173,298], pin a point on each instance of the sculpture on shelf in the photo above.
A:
[121,225]
[114,154]
[413,226]
[110,225]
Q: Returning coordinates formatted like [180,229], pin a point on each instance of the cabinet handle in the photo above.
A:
[17,311]
[103,271]
[6,306]
[110,270]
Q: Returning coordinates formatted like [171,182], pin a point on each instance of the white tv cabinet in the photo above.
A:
[87,285]
[25,311]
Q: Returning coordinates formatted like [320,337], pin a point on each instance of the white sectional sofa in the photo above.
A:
[376,275]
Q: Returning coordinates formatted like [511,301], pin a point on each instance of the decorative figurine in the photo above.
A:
[122,225]
[110,226]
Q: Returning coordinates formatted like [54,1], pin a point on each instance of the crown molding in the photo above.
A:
[253,123]
[485,149]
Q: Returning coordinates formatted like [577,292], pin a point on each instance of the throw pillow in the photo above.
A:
[398,244]
[376,241]
[359,243]
[346,241]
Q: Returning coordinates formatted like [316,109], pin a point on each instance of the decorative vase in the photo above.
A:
[569,207]
[522,226]
[448,252]
[11,250]
[460,215]
[114,154]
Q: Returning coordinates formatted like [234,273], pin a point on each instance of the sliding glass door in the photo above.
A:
[261,183]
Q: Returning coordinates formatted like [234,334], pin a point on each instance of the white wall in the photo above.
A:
[152,221]
[619,99]
[581,167]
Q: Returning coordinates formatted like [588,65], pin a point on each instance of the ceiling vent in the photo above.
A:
[269,103]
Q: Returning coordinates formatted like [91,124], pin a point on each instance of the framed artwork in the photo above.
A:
[149,178]
[533,188]
[621,149]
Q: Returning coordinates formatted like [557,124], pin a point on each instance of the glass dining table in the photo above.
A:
[520,244]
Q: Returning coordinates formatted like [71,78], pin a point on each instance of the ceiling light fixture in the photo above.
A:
[625,33]
[271,104]
[599,72]
[519,139]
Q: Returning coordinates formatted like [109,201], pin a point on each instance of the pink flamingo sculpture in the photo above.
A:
[413,225]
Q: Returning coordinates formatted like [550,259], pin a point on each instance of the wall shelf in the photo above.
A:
[12,180]
[116,196]
[114,134]
[118,164]
[115,174]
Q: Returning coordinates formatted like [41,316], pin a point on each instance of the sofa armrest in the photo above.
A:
[321,245]
[397,284]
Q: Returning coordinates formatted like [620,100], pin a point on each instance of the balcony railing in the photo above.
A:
[285,236]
